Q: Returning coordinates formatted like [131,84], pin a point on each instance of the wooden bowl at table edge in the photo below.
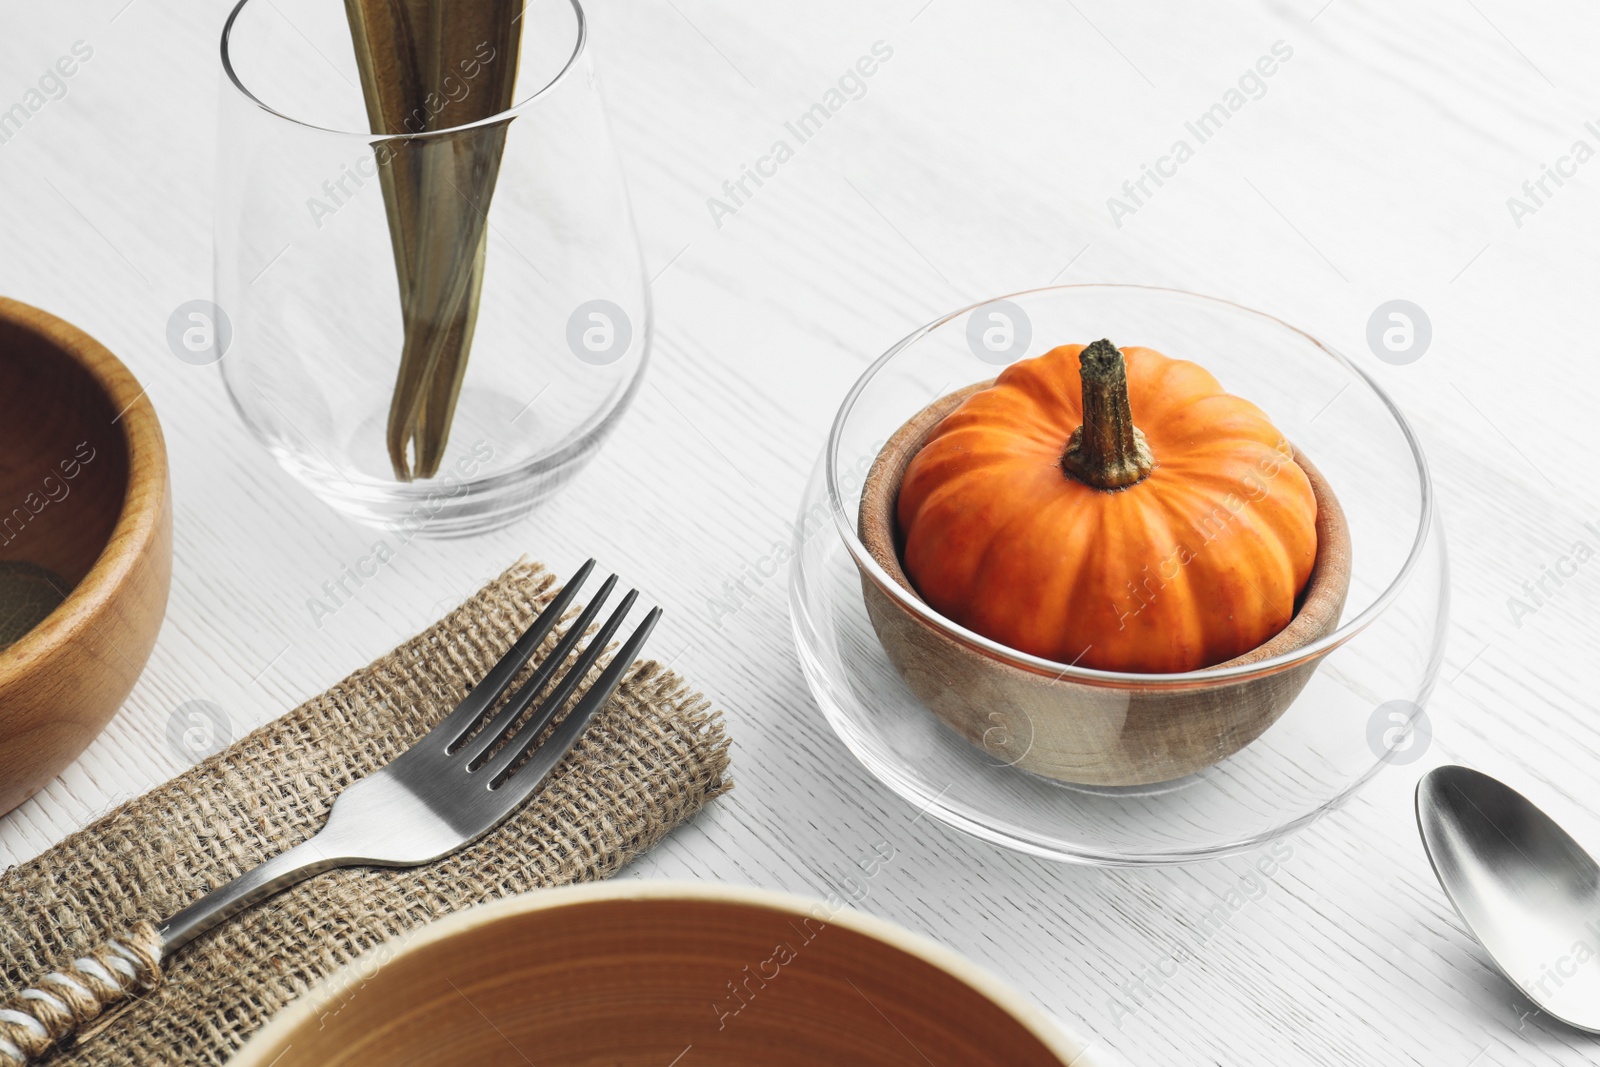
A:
[1065,730]
[61,682]
[642,965]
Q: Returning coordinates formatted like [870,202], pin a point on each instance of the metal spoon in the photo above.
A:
[1524,887]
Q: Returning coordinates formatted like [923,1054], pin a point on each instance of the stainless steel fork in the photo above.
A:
[454,785]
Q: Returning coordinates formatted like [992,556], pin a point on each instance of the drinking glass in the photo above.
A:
[307,320]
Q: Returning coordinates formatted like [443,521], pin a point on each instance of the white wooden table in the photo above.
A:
[1376,164]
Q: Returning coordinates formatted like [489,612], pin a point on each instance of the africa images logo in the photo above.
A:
[851,85]
[197,729]
[1398,732]
[1251,85]
[50,86]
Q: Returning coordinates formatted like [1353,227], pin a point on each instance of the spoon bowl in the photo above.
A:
[1528,892]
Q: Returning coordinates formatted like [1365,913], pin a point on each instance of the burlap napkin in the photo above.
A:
[651,759]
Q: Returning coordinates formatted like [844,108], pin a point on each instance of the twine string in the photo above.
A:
[57,1004]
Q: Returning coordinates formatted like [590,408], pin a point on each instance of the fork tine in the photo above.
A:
[455,726]
[495,730]
[566,735]
[562,690]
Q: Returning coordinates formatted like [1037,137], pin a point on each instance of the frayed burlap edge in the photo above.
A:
[651,759]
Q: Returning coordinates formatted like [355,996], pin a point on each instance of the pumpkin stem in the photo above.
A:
[1107,451]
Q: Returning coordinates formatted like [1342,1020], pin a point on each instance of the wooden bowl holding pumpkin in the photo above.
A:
[1109,511]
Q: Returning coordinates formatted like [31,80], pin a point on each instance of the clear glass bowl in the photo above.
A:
[308,322]
[1377,669]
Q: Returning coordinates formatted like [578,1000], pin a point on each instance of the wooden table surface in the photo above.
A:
[1378,162]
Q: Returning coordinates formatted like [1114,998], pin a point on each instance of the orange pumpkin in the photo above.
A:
[1038,515]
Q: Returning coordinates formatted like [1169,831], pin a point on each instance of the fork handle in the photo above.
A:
[309,857]
[60,1002]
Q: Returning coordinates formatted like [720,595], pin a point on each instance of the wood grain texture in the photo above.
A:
[1090,734]
[979,160]
[83,477]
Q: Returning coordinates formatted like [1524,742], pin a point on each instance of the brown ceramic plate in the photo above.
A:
[651,974]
